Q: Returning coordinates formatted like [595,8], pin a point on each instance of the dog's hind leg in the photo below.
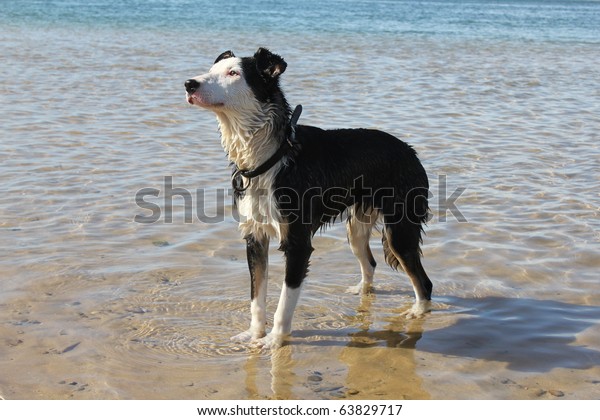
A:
[257,252]
[403,239]
[359,226]
[297,250]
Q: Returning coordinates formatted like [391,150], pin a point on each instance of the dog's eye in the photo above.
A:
[233,73]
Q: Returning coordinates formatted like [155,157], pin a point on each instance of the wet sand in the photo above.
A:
[159,334]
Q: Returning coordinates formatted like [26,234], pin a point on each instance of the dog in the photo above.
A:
[290,180]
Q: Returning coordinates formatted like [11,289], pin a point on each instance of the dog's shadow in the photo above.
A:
[529,335]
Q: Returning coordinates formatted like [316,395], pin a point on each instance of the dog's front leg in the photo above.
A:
[257,253]
[297,256]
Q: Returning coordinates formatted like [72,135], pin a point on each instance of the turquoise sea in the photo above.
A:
[500,99]
[526,20]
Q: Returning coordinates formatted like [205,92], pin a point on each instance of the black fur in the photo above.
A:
[337,169]
[223,56]
[257,252]
[262,75]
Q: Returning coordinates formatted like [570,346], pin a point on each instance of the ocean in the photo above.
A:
[500,99]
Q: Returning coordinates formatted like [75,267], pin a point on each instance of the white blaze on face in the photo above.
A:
[224,86]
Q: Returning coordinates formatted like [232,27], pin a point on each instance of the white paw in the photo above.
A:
[418,310]
[246,337]
[355,290]
[270,341]
[361,288]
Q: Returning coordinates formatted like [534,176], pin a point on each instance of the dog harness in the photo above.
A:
[237,181]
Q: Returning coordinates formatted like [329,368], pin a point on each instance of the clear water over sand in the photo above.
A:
[500,101]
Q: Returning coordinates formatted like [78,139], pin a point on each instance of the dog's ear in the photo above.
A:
[223,56]
[269,65]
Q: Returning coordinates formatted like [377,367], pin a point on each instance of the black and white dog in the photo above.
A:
[292,179]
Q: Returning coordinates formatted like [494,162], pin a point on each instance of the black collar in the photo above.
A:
[236,180]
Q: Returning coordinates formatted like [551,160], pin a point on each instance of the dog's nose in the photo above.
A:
[191,85]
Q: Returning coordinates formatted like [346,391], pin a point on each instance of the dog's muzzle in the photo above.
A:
[191,85]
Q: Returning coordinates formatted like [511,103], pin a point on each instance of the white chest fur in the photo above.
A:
[258,210]
[247,137]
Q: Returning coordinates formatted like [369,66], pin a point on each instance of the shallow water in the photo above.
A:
[95,305]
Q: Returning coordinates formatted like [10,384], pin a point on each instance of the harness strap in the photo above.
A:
[236,180]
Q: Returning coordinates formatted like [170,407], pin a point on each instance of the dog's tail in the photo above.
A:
[390,258]
[402,232]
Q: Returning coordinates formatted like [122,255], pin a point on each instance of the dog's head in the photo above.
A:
[237,84]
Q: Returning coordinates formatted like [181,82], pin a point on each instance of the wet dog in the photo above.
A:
[290,180]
